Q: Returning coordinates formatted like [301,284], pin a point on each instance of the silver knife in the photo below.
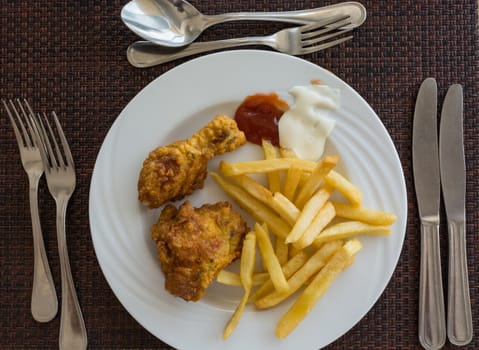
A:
[432,323]
[453,181]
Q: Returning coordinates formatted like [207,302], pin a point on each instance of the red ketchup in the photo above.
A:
[258,117]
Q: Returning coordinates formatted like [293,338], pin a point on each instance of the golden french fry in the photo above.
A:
[287,153]
[350,229]
[254,188]
[352,246]
[247,262]
[285,208]
[293,177]
[349,262]
[259,211]
[324,217]
[293,265]
[307,215]
[269,150]
[326,164]
[313,292]
[260,278]
[270,260]
[346,188]
[300,277]
[234,320]
[293,251]
[230,278]
[274,179]
[264,166]
[281,249]
[369,216]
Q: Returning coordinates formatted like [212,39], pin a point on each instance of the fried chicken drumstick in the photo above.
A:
[174,171]
[194,244]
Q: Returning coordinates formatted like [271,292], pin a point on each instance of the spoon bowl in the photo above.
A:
[176,23]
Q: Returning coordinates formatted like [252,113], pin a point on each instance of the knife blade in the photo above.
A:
[453,182]
[425,156]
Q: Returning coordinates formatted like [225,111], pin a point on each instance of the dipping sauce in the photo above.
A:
[305,127]
[258,117]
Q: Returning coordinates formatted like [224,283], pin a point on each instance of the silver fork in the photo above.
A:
[61,180]
[294,41]
[44,304]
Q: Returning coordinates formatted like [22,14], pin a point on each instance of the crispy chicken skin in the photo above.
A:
[174,171]
[194,244]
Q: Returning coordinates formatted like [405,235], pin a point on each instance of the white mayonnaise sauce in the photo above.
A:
[306,125]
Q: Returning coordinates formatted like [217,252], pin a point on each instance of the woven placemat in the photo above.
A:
[70,56]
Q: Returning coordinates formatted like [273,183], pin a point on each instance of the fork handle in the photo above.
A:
[73,334]
[44,305]
[142,54]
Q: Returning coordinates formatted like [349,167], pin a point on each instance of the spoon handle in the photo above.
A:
[354,10]
[142,54]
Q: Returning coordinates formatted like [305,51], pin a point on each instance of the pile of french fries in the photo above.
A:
[305,239]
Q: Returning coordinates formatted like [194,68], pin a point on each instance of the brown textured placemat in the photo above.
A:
[70,56]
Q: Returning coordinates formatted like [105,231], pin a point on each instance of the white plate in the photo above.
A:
[173,107]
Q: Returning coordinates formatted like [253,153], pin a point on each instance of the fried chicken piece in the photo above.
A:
[194,244]
[174,171]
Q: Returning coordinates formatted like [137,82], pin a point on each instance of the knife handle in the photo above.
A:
[459,317]
[432,323]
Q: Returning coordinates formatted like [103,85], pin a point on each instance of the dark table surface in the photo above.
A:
[70,56]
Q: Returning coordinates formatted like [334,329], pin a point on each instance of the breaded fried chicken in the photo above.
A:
[194,244]
[174,171]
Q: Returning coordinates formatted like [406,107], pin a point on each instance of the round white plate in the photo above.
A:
[173,107]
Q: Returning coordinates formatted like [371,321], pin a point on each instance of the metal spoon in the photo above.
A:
[176,23]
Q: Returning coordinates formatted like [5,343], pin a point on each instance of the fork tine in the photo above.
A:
[53,152]
[311,49]
[18,136]
[323,30]
[26,135]
[39,137]
[323,23]
[24,138]
[63,139]
[31,139]
[51,143]
[59,158]
[42,138]
[30,110]
[310,42]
